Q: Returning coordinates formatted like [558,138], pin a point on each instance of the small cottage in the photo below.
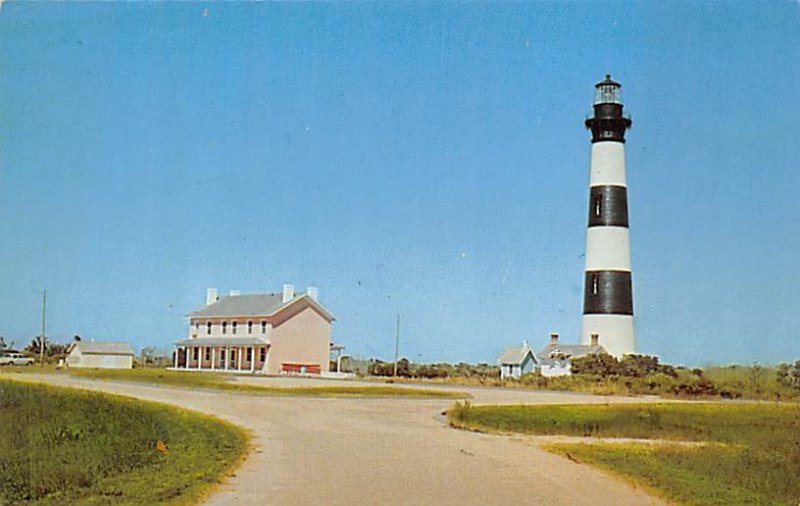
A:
[517,360]
[100,355]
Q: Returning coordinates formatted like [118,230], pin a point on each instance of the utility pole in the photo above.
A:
[41,337]
[397,344]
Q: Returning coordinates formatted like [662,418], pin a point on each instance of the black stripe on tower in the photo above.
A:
[608,123]
[608,292]
[608,206]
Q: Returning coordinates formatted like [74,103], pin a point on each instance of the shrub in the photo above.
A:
[599,364]
[695,387]
[789,375]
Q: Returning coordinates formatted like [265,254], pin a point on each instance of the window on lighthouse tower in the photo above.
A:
[595,284]
[598,205]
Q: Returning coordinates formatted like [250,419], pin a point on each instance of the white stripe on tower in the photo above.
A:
[608,296]
[608,249]
[608,164]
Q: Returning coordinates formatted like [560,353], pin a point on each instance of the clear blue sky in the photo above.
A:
[427,159]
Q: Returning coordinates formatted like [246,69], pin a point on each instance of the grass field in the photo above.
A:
[65,446]
[756,462]
[225,382]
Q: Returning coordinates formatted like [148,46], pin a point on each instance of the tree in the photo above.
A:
[50,348]
[36,345]
[57,349]
[148,353]
[789,375]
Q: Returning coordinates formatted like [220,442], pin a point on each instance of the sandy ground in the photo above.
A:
[384,451]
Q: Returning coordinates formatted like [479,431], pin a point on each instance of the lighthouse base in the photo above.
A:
[615,332]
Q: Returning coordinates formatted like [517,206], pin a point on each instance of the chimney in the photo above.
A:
[288,292]
[313,292]
[554,338]
[525,343]
[234,293]
[595,339]
[211,296]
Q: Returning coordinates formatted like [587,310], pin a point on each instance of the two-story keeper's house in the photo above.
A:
[268,333]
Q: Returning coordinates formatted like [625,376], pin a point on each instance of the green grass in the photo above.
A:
[756,462]
[65,446]
[225,382]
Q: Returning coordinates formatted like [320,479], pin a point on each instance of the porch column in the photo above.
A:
[239,357]
[252,359]
[177,350]
[213,356]
[199,357]
[227,356]
[187,357]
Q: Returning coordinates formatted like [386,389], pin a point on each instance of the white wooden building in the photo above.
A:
[517,360]
[100,355]
[555,359]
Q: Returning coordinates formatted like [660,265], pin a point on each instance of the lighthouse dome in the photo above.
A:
[608,91]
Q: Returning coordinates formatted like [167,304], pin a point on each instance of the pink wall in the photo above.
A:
[303,338]
[299,334]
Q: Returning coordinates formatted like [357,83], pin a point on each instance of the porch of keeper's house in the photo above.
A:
[222,355]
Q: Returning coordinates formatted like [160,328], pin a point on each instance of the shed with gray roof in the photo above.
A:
[517,360]
[100,355]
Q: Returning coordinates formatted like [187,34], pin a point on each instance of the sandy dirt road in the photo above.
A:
[383,451]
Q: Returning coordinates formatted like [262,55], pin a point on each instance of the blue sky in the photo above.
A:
[427,159]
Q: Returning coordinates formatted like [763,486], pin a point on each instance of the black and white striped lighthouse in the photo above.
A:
[608,295]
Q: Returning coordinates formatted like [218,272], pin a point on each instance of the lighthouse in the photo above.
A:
[608,294]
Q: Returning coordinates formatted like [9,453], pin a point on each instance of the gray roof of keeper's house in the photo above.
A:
[103,348]
[254,305]
[569,350]
[515,355]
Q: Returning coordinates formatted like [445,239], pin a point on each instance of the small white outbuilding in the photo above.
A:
[100,355]
[517,360]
